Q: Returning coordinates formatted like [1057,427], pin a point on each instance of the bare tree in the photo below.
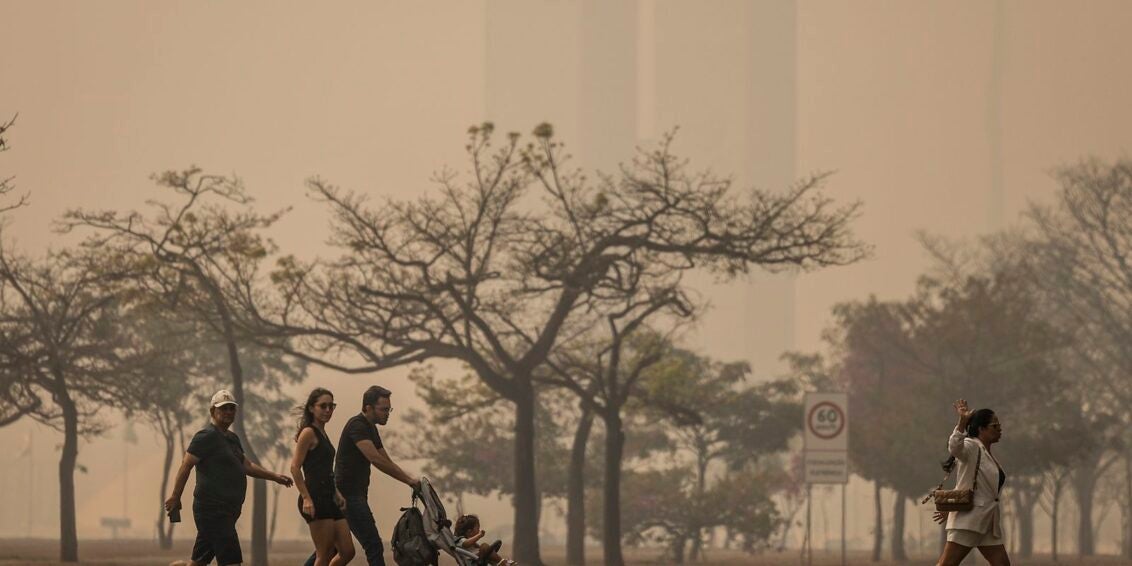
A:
[6,185]
[624,364]
[269,434]
[192,254]
[1050,501]
[19,398]
[604,376]
[483,275]
[466,437]
[168,416]
[604,367]
[576,487]
[66,335]
[170,396]
[168,399]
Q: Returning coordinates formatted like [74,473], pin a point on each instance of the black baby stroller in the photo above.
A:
[421,534]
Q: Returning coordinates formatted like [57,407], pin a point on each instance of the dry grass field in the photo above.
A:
[41,552]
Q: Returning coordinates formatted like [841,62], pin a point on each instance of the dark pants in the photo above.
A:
[364,528]
[216,535]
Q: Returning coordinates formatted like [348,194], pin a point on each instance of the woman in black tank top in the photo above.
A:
[313,469]
[318,475]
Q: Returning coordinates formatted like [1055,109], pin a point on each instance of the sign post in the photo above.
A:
[826,453]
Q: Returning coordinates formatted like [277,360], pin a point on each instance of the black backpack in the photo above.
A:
[411,546]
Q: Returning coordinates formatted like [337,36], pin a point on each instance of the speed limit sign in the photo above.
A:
[826,421]
[825,418]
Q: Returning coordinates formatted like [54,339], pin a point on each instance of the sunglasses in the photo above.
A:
[327,406]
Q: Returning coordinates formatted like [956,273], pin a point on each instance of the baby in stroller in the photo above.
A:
[468,533]
[420,533]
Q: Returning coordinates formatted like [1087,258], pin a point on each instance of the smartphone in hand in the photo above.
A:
[175,515]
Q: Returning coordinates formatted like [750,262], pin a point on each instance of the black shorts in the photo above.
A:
[216,535]
[324,506]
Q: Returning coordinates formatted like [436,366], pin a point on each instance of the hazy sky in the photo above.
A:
[905,100]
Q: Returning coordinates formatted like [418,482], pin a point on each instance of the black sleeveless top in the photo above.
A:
[318,467]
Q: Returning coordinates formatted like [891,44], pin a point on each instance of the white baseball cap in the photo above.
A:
[223,397]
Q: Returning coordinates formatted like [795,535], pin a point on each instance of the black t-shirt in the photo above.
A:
[220,472]
[351,468]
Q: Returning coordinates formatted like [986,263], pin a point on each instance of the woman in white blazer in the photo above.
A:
[970,444]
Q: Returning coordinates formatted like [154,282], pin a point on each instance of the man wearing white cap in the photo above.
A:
[218,498]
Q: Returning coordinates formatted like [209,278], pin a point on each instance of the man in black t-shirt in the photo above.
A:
[221,466]
[358,448]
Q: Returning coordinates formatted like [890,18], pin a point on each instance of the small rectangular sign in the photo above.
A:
[827,466]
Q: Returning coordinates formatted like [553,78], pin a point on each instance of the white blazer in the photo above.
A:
[985,516]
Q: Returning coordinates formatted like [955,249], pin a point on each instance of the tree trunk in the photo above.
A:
[274,514]
[526,490]
[576,492]
[1025,521]
[164,532]
[1025,498]
[259,522]
[611,490]
[679,543]
[696,553]
[1053,518]
[68,534]
[259,489]
[878,527]
[786,526]
[1126,538]
[898,553]
[1084,485]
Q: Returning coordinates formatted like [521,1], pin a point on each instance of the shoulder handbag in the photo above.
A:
[948,500]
